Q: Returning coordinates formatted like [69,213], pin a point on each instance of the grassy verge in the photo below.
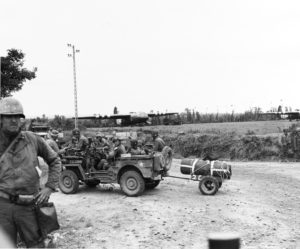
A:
[259,140]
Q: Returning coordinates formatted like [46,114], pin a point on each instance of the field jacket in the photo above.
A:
[159,144]
[18,174]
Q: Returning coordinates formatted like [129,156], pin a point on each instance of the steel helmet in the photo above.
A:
[154,134]
[54,133]
[76,131]
[11,106]
[134,142]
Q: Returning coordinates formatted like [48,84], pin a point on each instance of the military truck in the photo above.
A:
[134,173]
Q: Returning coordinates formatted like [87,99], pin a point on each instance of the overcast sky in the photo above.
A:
[155,55]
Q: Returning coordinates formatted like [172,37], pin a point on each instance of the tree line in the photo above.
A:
[187,117]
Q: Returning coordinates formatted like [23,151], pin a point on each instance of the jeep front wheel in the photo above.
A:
[132,183]
[68,182]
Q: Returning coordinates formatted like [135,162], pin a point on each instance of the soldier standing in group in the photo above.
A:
[51,140]
[19,178]
[159,143]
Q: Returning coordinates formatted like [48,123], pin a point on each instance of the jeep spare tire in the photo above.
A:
[167,157]
[132,183]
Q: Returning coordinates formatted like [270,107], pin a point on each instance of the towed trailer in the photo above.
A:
[135,173]
[209,174]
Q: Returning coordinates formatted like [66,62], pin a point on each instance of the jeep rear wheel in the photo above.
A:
[68,182]
[132,183]
[208,185]
[152,184]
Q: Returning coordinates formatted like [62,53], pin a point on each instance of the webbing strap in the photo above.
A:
[10,146]
[194,164]
[212,167]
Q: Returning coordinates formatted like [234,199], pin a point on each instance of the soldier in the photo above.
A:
[101,140]
[159,143]
[119,148]
[72,144]
[82,140]
[135,149]
[19,175]
[51,140]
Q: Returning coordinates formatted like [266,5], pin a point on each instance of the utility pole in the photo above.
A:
[74,51]
[0,76]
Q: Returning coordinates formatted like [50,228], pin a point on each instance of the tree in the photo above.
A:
[116,110]
[13,75]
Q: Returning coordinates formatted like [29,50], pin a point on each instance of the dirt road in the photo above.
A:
[261,202]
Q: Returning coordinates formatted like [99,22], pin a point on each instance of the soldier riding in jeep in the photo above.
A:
[95,165]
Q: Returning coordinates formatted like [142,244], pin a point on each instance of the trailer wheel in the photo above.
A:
[68,182]
[208,185]
[132,183]
[152,184]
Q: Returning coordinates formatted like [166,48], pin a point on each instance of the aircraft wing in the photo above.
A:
[271,113]
[292,113]
[161,114]
[87,117]
[115,116]
[119,116]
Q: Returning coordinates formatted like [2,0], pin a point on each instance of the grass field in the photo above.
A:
[240,128]
[259,140]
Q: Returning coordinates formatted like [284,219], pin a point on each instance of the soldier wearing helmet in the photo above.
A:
[19,151]
[159,143]
[101,141]
[82,141]
[51,140]
[135,149]
[119,148]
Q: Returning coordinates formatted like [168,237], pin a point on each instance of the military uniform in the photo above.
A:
[53,145]
[119,150]
[19,175]
[159,144]
[134,149]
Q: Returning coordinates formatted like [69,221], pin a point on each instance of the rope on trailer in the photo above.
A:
[212,167]
[194,164]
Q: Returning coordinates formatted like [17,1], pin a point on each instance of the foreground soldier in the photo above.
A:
[19,178]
